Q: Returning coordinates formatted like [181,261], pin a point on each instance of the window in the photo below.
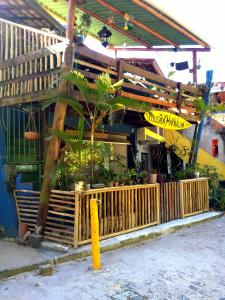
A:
[215,149]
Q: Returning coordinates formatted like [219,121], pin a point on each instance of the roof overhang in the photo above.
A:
[151,27]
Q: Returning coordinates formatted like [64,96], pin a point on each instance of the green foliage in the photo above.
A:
[98,104]
[84,24]
[200,105]
[216,192]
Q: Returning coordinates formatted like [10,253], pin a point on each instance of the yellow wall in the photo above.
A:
[204,158]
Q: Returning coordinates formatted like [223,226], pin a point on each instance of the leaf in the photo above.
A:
[80,128]
[80,81]
[132,103]
[103,86]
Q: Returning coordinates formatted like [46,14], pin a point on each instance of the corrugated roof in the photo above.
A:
[29,13]
[151,27]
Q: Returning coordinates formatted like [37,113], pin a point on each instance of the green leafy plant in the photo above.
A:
[99,102]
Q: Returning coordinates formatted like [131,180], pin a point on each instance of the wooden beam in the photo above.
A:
[101,58]
[130,36]
[162,49]
[32,97]
[137,23]
[152,76]
[155,101]
[24,58]
[170,22]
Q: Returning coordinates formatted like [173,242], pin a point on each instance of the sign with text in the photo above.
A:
[166,120]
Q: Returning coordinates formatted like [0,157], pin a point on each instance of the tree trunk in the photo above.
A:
[92,156]
[58,123]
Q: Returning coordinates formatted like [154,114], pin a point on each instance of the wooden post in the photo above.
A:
[181,200]
[95,235]
[179,96]
[194,67]
[58,123]
[158,203]
[76,220]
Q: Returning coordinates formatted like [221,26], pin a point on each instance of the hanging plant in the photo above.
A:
[82,28]
[31,133]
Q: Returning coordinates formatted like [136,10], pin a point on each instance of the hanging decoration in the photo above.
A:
[31,133]
[111,20]
[128,25]
[104,34]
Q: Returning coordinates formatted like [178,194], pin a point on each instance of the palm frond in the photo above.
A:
[80,128]
[80,81]
[103,87]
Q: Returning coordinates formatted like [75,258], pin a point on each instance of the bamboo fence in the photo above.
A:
[121,209]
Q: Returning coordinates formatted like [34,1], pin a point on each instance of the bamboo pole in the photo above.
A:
[58,123]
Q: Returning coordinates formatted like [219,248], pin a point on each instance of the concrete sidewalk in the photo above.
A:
[16,259]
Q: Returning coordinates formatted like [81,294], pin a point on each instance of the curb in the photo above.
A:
[112,244]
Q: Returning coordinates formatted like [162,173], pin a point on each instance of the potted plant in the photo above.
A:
[82,28]
[153,176]
[79,183]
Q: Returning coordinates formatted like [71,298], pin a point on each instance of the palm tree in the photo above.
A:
[98,102]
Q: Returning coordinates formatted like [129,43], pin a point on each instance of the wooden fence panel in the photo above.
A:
[195,196]
[60,222]
[27,207]
[169,201]
[121,210]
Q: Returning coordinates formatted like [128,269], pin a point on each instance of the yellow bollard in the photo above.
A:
[95,235]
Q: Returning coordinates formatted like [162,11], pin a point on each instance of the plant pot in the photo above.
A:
[88,186]
[153,178]
[116,183]
[31,135]
[197,174]
[110,184]
[79,186]
[79,38]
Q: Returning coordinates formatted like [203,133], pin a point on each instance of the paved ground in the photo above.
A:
[189,264]
[14,256]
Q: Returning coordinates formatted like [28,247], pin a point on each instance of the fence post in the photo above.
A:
[158,203]
[95,235]
[181,200]
[76,220]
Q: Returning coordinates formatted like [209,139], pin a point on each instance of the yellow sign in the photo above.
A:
[154,135]
[166,120]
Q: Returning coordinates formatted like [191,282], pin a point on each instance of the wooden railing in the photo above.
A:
[34,75]
[30,62]
[194,196]
[30,59]
[138,83]
[18,40]
[121,209]
[27,207]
